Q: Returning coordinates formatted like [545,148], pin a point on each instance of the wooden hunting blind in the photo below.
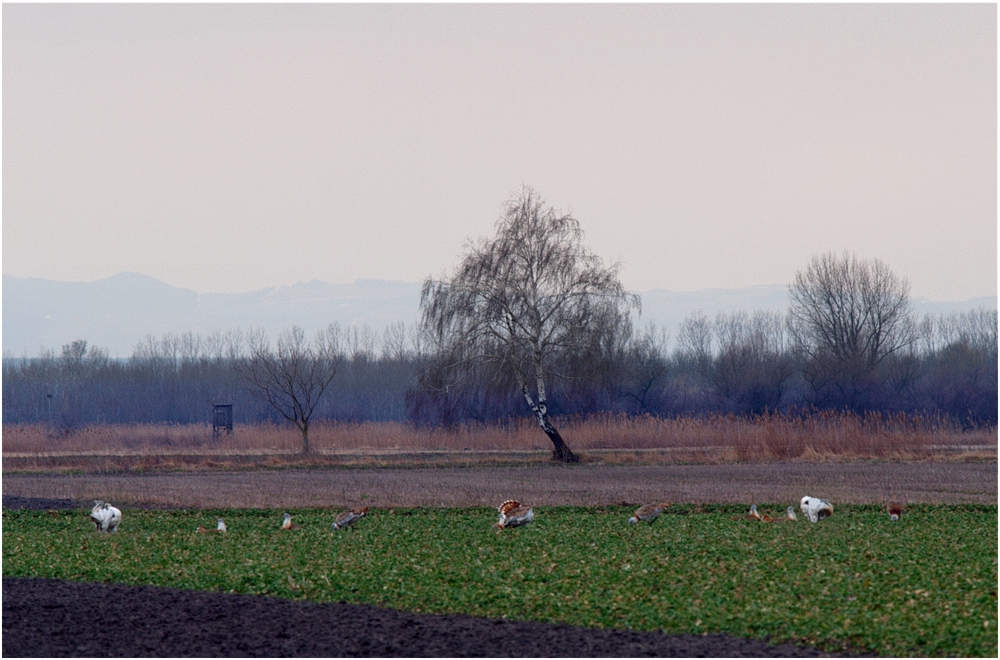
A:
[222,418]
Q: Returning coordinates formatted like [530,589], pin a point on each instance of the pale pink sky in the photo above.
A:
[231,147]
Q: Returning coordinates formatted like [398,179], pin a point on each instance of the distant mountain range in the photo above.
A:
[119,312]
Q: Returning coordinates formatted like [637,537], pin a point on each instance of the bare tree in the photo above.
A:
[189,345]
[852,310]
[360,342]
[524,300]
[74,351]
[847,315]
[694,342]
[293,378]
[752,366]
[646,369]
[394,342]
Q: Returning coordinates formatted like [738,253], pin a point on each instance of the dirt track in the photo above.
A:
[545,485]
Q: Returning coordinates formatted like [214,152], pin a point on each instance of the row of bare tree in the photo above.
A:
[738,362]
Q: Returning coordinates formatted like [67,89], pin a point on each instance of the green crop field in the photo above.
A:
[923,586]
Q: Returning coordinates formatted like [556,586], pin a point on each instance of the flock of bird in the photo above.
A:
[343,519]
[512,514]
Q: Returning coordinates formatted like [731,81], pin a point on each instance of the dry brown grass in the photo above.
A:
[821,437]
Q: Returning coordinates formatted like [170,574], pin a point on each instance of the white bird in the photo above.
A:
[513,514]
[895,510]
[105,517]
[346,518]
[815,508]
[287,523]
[648,513]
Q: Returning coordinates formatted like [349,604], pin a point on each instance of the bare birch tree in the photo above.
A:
[523,301]
[293,378]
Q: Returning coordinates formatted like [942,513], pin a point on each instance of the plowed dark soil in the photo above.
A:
[53,618]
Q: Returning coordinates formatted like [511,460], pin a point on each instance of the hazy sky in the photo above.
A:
[232,147]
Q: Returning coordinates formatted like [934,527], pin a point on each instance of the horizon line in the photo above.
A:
[362,280]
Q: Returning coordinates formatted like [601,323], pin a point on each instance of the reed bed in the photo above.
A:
[820,436]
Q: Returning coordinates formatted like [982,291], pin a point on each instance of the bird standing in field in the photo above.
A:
[514,514]
[754,514]
[895,510]
[789,515]
[287,523]
[648,513]
[815,508]
[346,518]
[220,527]
[105,517]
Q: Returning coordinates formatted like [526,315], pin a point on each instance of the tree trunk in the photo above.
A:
[560,451]
[305,438]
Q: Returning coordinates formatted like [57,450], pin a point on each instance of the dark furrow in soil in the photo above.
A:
[55,618]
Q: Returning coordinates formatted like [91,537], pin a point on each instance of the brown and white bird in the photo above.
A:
[754,514]
[105,517]
[346,518]
[514,514]
[220,528]
[815,508]
[287,523]
[789,515]
[895,510]
[648,513]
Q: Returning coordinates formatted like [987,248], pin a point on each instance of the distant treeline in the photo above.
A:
[738,363]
